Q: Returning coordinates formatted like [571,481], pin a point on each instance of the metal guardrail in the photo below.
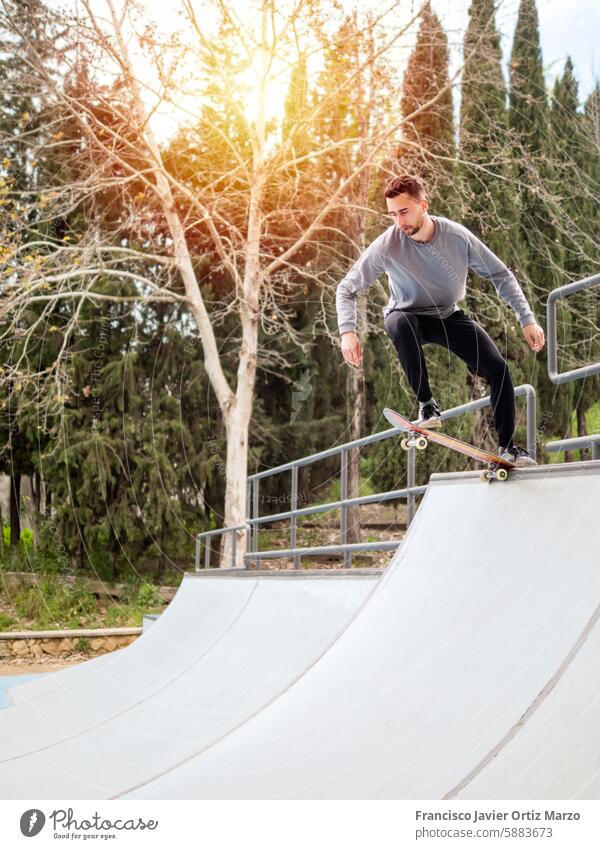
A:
[557,378]
[205,535]
[578,442]
[553,297]
[344,503]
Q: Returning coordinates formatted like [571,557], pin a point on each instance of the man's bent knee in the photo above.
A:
[495,372]
[398,323]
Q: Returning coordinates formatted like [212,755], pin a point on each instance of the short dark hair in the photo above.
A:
[408,184]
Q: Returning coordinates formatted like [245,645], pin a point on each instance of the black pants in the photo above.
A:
[468,340]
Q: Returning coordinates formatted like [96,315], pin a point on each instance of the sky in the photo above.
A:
[567,27]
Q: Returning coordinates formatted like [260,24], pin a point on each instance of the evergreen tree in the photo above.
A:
[489,203]
[539,198]
[577,167]
[131,454]
[428,147]
[428,144]
[24,138]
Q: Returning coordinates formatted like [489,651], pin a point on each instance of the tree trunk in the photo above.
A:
[582,430]
[2,548]
[355,382]
[34,512]
[355,416]
[15,515]
[237,424]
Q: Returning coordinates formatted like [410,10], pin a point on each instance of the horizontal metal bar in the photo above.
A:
[387,545]
[321,455]
[333,574]
[221,531]
[524,389]
[573,444]
[562,292]
[334,505]
[574,374]
[205,534]
[471,406]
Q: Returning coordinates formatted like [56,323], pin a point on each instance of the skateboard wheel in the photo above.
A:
[421,443]
[501,474]
[485,476]
[405,444]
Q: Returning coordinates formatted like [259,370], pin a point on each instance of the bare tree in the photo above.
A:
[112,101]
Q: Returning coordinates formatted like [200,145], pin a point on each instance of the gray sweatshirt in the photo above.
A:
[427,278]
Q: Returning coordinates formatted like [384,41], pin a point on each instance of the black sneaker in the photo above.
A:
[516,455]
[429,416]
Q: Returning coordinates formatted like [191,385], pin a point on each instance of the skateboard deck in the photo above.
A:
[420,436]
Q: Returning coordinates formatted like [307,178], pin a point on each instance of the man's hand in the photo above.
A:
[534,335]
[351,348]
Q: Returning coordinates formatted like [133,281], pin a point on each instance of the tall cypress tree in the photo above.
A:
[489,205]
[573,153]
[429,146]
[539,197]
[591,310]
[24,136]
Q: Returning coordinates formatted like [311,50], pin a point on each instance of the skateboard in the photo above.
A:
[420,436]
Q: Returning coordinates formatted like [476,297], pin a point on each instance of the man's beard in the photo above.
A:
[411,231]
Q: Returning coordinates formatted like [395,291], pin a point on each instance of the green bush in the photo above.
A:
[53,602]
[6,622]
[147,596]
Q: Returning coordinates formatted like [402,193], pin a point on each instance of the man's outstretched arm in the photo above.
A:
[484,262]
[365,271]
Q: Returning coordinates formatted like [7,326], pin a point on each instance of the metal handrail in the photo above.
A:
[579,442]
[335,505]
[202,537]
[344,503]
[562,292]
[252,524]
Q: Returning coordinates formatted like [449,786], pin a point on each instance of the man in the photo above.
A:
[426,258]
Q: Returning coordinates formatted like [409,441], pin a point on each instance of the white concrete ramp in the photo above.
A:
[488,609]
[469,670]
[223,649]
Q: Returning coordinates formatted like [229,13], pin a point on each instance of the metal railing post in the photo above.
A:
[344,504]
[294,520]
[410,482]
[249,512]
[197,558]
[344,510]
[255,483]
[531,421]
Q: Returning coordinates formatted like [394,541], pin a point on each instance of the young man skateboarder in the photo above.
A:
[426,258]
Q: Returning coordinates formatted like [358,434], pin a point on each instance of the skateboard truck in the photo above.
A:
[494,473]
[414,441]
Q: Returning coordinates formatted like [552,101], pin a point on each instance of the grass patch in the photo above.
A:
[56,605]
[592,419]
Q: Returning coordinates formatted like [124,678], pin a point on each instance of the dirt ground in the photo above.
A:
[26,667]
